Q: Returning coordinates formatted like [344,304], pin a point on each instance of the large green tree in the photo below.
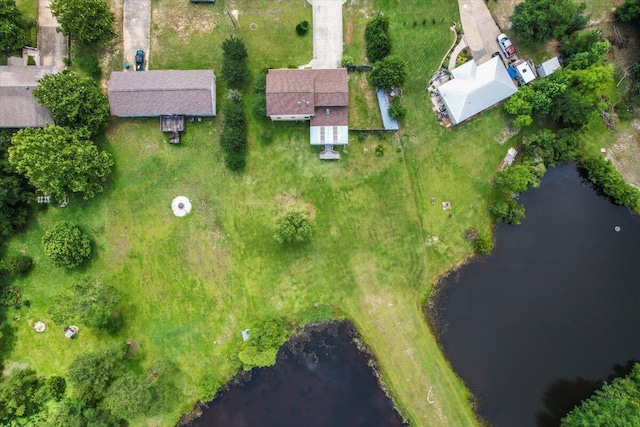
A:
[540,20]
[75,101]
[91,374]
[15,191]
[293,227]
[13,27]
[88,302]
[516,179]
[389,73]
[616,404]
[87,21]
[19,396]
[58,160]
[66,245]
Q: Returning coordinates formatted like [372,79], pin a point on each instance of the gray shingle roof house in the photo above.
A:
[474,88]
[162,92]
[18,107]
[320,96]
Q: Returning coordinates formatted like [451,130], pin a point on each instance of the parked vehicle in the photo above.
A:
[140,60]
[506,46]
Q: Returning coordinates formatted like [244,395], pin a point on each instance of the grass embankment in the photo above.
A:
[192,284]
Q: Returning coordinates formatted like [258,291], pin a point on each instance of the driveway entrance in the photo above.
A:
[137,21]
[327,33]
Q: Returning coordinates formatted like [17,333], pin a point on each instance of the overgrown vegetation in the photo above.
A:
[265,339]
[14,190]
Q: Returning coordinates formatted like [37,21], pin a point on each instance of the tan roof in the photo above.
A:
[300,92]
[162,92]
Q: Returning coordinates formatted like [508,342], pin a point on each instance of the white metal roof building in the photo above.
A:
[524,72]
[474,88]
[548,67]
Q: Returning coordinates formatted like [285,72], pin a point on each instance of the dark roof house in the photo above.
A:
[321,96]
[18,107]
[162,92]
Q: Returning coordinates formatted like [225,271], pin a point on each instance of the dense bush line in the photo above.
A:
[377,39]
[607,178]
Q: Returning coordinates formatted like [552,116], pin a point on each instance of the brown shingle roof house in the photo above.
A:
[18,107]
[321,96]
[162,92]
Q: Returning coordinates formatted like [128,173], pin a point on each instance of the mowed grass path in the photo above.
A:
[191,284]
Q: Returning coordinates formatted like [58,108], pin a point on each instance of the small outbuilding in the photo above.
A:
[523,71]
[548,67]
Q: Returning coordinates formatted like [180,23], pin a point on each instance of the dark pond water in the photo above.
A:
[323,381]
[536,327]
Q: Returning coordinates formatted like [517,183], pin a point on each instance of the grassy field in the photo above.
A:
[191,284]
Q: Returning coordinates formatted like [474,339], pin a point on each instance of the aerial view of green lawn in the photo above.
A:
[380,238]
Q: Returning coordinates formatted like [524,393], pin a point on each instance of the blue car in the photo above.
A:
[140,60]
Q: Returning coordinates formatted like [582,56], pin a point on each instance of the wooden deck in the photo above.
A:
[172,125]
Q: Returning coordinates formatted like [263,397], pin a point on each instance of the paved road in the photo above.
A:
[480,30]
[327,33]
[52,44]
[137,19]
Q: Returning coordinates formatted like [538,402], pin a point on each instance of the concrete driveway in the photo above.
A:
[136,28]
[480,30]
[327,33]
[51,44]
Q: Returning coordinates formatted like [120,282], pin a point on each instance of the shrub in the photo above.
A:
[389,73]
[397,110]
[347,61]
[66,245]
[293,227]
[234,63]
[16,265]
[377,39]
[484,243]
[259,106]
[508,211]
[265,338]
[302,28]
[379,150]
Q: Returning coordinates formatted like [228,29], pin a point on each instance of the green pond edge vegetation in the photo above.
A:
[376,237]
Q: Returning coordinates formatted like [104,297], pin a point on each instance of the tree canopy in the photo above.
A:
[389,73]
[87,21]
[541,20]
[58,160]
[377,38]
[66,245]
[92,373]
[616,403]
[88,302]
[13,27]
[19,396]
[516,179]
[75,101]
[293,227]
[234,63]
[628,11]
[15,191]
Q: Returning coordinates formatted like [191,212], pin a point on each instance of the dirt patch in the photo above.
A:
[625,154]
[287,200]
[506,134]
[183,19]
[348,38]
